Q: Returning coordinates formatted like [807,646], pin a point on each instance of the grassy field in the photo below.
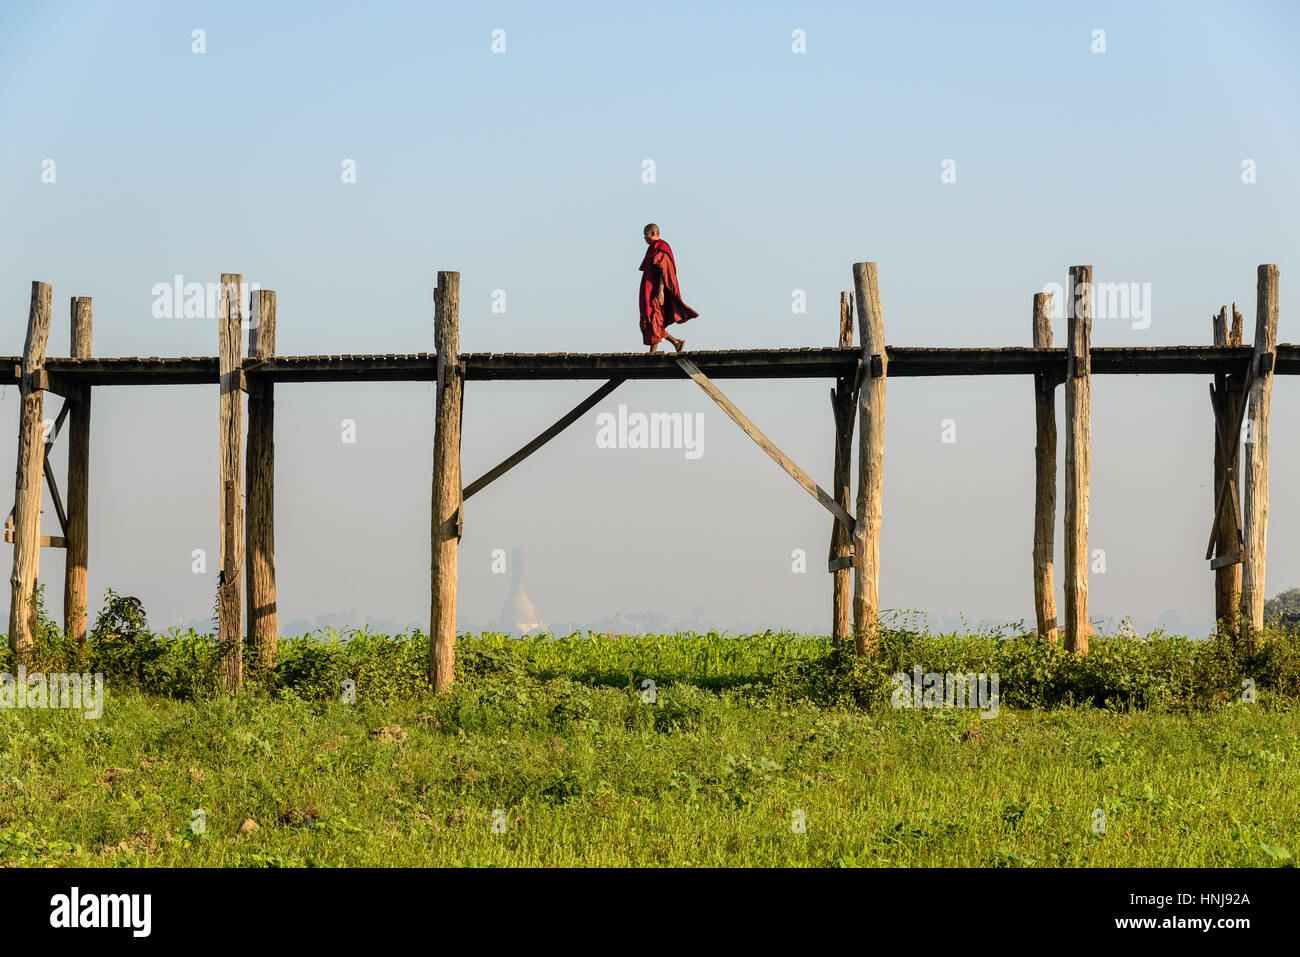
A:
[548,752]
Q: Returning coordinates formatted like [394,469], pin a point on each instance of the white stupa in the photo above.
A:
[518,613]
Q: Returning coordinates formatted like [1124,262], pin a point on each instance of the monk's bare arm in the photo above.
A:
[665,281]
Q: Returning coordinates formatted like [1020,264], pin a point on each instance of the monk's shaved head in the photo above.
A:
[651,229]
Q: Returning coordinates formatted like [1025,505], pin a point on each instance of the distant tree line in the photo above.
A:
[1284,607]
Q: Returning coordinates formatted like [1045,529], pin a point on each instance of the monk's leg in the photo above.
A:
[678,344]
[651,332]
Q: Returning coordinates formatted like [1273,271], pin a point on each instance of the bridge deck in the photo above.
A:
[904,361]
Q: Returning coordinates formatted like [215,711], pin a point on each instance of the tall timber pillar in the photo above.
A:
[871,456]
[446,520]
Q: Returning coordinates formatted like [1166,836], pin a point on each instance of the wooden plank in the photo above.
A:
[259,527]
[551,432]
[447,492]
[45,541]
[904,361]
[27,484]
[828,362]
[1228,561]
[1078,457]
[1044,475]
[871,456]
[840,559]
[763,442]
[230,435]
[1256,477]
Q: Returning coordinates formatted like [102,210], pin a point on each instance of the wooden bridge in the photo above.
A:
[1240,391]
[808,363]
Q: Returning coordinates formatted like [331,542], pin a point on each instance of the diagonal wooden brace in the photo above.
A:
[767,445]
[1230,452]
[560,425]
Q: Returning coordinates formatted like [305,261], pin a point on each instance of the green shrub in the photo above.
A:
[1118,673]
[550,683]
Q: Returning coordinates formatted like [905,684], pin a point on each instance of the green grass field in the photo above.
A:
[547,753]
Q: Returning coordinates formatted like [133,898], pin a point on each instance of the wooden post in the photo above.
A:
[447,501]
[1227,413]
[1044,475]
[871,456]
[1078,457]
[29,480]
[263,621]
[1256,508]
[230,434]
[74,582]
[841,551]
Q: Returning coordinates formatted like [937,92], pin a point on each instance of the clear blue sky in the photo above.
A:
[775,171]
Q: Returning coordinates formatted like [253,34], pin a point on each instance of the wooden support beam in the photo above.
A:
[259,528]
[840,560]
[230,435]
[1226,538]
[447,492]
[1228,579]
[1256,478]
[551,432]
[58,425]
[1227,493]
[27,484]
[1227,401]
[50,481]
[45,541]
[53,484]
[1227,562]
[763,442]
[871,456]
[1044,475]
[1078,457]
[1229,504]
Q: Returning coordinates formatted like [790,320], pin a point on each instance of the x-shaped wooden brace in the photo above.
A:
[53,485]
[1228,449]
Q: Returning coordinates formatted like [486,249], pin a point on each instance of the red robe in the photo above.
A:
[658,266]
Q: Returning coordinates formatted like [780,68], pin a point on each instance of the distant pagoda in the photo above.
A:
[518,613]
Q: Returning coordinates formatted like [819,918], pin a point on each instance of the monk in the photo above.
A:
[660,298]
